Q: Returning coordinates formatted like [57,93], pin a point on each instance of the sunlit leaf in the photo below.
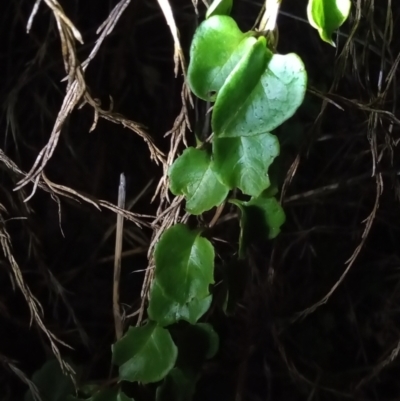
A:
[184,264]
[192,175]
[217,46]
[243,162]
[262,92]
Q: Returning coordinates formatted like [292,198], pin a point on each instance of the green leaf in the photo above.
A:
[217,46]
[269,210]
[145,354]
[177,386]
[261,218]
[219,7]
[166,311]
[327,15]
[262,92]
[51,382]
[184,264]
[191,175]
[243,162]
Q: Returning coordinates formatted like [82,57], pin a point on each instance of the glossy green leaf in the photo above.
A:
[191,175]
[166,311]
[177,386]
[327,15]
[217,46]
[243,162]
[184,264]
[261,218]
[145,354]
[219,7]
[261,93]
[52,383]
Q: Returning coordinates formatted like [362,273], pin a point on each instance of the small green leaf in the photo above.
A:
[243,162]
[184,264]
[271,212]
[191,175]
[145,354]
[51,382]
[219,7]
[261,218]
[327,15]
[177,386]
[261,93]
[166,311]
[217,46]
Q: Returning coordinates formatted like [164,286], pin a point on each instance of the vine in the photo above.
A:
[253,91]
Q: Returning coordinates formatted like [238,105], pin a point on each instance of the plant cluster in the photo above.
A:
[253,90]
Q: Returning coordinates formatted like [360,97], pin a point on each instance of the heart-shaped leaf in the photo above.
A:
[327,15]
[216,48]
[166,311]
[219,7]
[191,175]
[145,354]
[243,162]
[261,93]
[184,264]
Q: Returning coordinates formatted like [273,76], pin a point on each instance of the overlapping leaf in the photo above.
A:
[192,175]
[145,354]
[166,311]
[184,264]
[216,48]
[261,93]
[243,162]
